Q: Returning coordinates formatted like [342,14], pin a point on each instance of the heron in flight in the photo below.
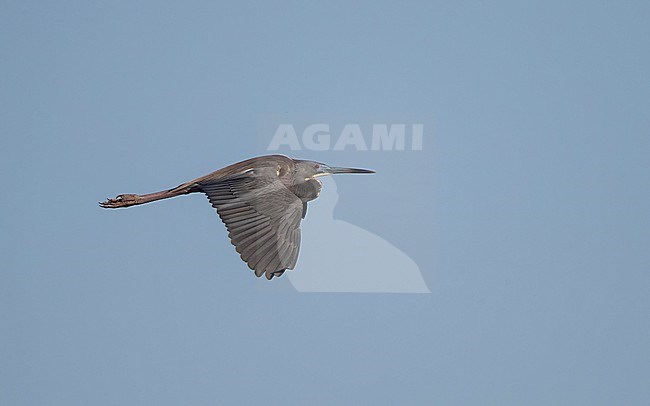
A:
[261,201]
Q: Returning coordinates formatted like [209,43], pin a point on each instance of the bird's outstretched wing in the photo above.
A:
[262,217]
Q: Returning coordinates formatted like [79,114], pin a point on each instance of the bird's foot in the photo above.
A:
[120,201]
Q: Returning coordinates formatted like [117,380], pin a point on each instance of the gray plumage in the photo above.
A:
[261,201]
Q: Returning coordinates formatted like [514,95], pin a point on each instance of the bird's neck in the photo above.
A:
[306,190]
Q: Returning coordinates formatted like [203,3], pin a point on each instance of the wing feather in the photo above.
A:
[262,217]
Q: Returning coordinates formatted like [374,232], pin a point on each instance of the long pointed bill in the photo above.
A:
[334,170]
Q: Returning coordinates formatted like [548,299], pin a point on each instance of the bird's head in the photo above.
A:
[312,169]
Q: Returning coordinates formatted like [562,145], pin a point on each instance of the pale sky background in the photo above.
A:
[528,210]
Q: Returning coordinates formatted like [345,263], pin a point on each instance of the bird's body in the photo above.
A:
[261,201]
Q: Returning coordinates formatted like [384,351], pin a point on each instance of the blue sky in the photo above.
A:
[526,211]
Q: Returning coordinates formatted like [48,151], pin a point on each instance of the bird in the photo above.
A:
[261,201]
